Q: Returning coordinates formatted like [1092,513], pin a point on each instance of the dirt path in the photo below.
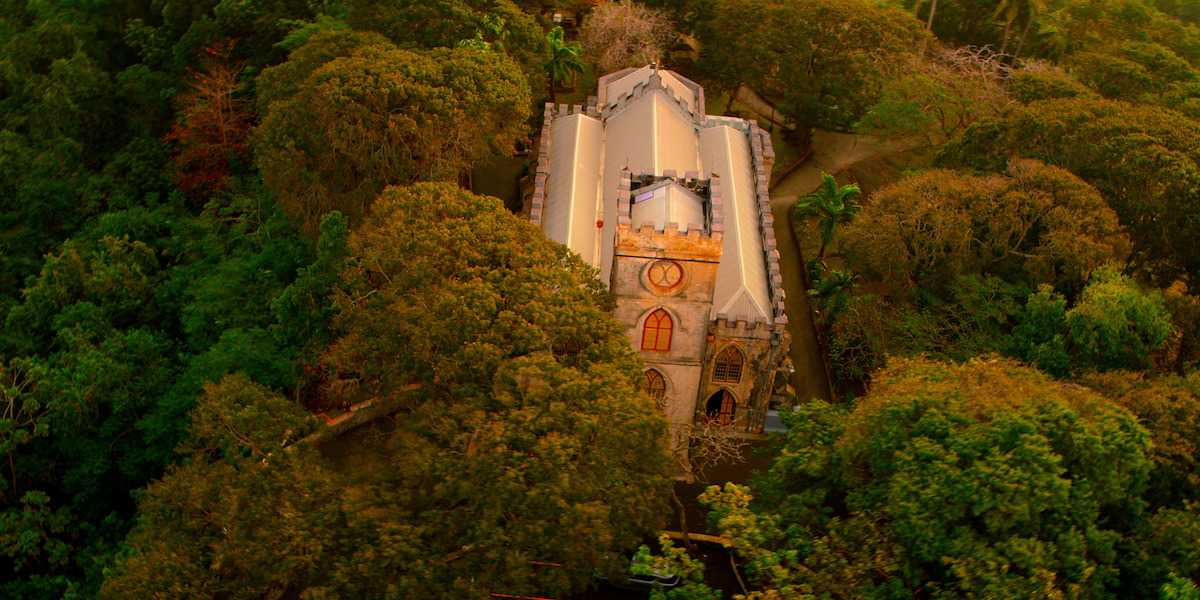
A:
[831,152]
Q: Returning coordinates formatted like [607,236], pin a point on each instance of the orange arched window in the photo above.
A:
[656,386]
[656,332]
[728,366]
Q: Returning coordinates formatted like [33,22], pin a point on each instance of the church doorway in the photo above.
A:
[720,408]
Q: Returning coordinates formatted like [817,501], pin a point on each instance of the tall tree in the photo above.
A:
[452,292]
[1033,223]
[818,57]
[623,34]
[350,113]
[831,204]
[1145,162]
[564,60]
[981,480]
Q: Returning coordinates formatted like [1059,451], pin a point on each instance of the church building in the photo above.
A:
[671,205]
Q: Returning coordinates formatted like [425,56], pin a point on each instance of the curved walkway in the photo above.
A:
[831,153]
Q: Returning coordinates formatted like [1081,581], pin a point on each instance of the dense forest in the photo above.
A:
[222,221]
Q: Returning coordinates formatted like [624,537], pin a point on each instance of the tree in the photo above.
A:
[1116,325]
[1144,161]
[1169,408]
[214,129]
[1032,223]
[823,58]
[981,480]
[938,95]
[564,60]
[430,24]
[510,454]
[831,204]
[350,113]
[615,35]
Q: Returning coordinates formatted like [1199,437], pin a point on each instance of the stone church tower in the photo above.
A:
[671,206]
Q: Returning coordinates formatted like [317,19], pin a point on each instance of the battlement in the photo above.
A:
[742,326]
[763,157]
[655,84]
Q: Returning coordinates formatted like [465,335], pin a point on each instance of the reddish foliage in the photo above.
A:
[213,128]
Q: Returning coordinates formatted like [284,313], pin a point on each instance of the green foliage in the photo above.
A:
[983,480]
[831,204]
[564,59]
[1031,86]
[1116,325]
[237,417]
[1142,159]
[814,55]
[351,113]
[1169,408]
[444,23]
[1033,223]
[206,532]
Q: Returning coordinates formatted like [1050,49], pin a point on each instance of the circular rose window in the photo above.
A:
[665,275]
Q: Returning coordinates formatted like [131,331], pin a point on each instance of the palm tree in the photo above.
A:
[1013,9]
[564,59]
[1010,8]
[833,204]
[1034,9]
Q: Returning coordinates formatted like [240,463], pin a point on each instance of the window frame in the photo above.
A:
[654,376]
[654,323]
[728,365]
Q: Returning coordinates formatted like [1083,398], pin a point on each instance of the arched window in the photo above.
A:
[656,333]
[656,386]
[728,367]
[720,409]
[664,275]
[568,348]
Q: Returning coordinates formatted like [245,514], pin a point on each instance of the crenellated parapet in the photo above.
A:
[760,144]
[536,205]
[655,84]
[692,240]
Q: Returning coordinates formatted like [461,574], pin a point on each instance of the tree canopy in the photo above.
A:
[351,113]
[819,56]
[1033,222]
[960,481]
[504,457]
[1144,161]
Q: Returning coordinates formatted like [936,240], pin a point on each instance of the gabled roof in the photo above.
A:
[651,121]
[615,85]
[647,136]
[742,287]
[572,188]
[667,202]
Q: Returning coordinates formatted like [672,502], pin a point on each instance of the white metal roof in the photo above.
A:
[625,84]
[741,288]
[667,202]
[651,134]
[647,136]
[572,189]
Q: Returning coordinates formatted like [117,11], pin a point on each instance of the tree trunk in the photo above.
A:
[932,9]
[683,527]
[1004,46]
[553,92]
[1021,44]
[732,97]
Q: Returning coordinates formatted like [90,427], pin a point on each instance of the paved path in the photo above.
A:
[831,152]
